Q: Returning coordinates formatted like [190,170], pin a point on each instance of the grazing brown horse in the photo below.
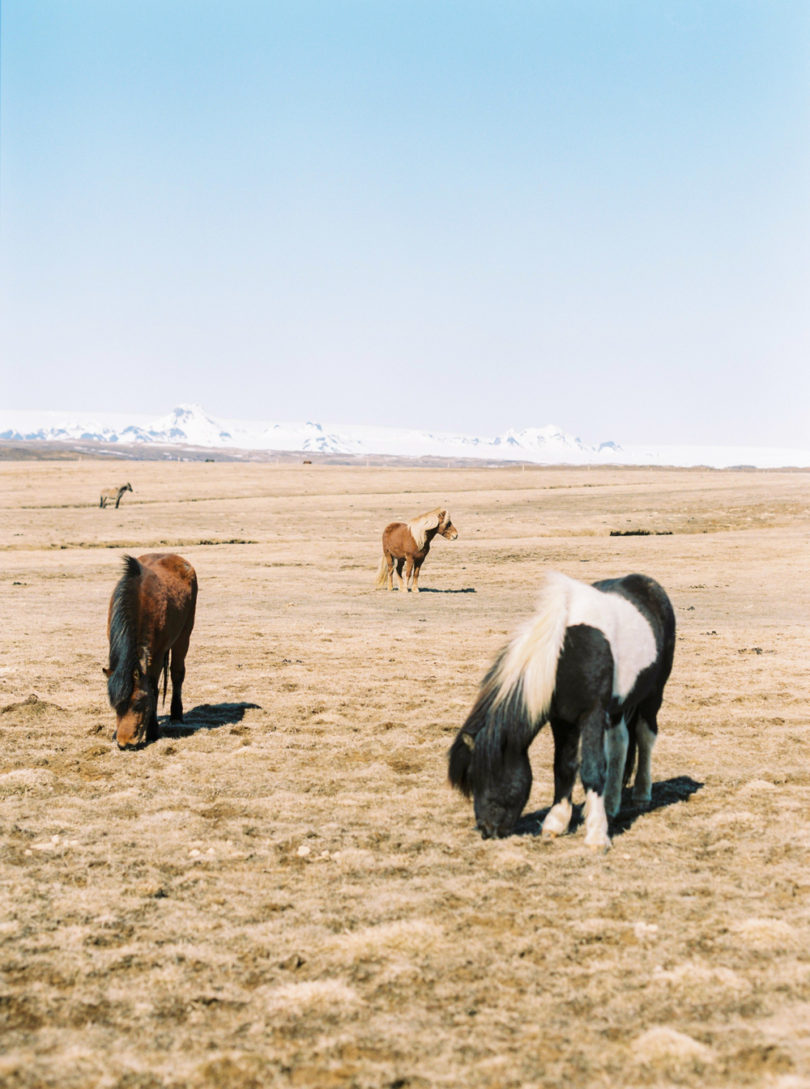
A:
[408,544]
[113,495]
[151,613]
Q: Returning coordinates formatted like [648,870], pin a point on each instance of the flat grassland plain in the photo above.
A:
[285,891]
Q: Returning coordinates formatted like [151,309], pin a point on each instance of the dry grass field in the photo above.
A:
[285,892]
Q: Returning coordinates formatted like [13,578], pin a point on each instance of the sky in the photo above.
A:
[460,216]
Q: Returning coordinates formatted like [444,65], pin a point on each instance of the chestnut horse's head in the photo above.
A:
[134,710]
[446,527]
[426,526]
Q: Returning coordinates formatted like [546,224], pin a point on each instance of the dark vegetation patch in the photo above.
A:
[641,533]
[229,541]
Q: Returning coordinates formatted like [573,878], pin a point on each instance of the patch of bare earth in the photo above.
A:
[284,892]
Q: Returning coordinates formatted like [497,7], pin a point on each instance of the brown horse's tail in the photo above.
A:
[382,574]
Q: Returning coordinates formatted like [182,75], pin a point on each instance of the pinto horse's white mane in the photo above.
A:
[532,654]
[418,527]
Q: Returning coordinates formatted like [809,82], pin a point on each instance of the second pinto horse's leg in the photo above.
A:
[594,774]
[645,736]
[616,754]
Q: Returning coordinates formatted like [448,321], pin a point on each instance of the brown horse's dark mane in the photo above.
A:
[124,633]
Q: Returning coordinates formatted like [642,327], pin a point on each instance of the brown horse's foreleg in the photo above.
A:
[152,731]
[178,672]
[417,567]
[409,570]
[400,565]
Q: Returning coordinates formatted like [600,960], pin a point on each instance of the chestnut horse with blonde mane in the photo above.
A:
[407,544]
[151,613]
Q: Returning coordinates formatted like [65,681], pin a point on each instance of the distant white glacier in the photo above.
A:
[191,426]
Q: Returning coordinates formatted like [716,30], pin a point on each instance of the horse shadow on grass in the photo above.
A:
[205,716]
[666,793]
[436,590]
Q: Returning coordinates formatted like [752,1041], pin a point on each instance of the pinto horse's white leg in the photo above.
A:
[616,756]
[557,819]
[566,762]
[596,825]
[642,787]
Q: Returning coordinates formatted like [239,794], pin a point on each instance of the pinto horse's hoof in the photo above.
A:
[600,844]
[558,820]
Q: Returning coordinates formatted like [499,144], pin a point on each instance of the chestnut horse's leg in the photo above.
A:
[400,564]
[417,567]
[409,570]
[389,559]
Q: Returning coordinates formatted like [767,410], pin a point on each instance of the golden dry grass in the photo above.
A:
[285,892]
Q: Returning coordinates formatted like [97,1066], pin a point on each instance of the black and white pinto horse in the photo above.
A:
[592,661]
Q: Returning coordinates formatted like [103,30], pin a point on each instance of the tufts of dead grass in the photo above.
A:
[285,892]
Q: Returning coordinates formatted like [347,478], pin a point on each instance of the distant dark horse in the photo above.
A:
[151,613]
[409,543]
[593,661]
[113,495]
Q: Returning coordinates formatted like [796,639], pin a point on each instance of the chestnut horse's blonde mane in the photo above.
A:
[418,527]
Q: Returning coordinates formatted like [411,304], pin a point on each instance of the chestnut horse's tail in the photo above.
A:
[382,574]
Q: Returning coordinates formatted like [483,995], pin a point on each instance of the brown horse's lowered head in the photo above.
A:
[134,710]
[132,694]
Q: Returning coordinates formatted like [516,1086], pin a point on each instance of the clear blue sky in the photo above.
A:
[450,215]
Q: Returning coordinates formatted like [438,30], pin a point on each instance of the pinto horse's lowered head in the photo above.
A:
[151,616]
[593,661]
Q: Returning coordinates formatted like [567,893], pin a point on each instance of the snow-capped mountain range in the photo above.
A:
[192,426]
